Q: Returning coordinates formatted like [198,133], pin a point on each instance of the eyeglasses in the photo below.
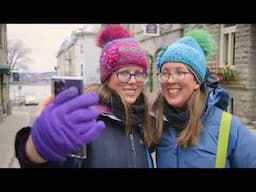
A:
[125,76]
[165,76]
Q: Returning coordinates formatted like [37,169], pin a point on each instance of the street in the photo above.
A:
[21,117]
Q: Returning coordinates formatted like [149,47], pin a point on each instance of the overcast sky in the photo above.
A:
[44,41]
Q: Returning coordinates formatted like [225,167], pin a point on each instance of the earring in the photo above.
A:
[197,87]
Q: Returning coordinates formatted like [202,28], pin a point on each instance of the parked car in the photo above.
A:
[31,100]
[18,100]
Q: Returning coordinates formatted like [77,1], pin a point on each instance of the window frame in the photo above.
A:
[227,45]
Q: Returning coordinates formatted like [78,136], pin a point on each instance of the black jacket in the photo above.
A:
[112,149]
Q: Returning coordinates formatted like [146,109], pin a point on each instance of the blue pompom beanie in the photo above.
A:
[190,50]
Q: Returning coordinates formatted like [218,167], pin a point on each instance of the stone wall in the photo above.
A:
[243,91]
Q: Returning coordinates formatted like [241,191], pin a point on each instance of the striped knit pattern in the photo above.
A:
[186,50]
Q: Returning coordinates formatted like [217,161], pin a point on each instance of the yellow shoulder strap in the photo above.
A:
[222,146]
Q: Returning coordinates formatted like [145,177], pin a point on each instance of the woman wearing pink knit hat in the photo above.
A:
[117,132]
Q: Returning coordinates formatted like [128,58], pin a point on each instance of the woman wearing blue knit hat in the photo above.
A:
[188,129]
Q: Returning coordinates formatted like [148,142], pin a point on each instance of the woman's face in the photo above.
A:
[178,88]
[126,85]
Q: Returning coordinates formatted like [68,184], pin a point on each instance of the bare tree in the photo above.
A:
[18,55]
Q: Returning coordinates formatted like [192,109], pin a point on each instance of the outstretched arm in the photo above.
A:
[64,126]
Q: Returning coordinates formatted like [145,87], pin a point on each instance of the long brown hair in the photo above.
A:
[104,92]
[190,135]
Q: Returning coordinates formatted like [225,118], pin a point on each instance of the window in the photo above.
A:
[1,35]
[82,70]
[229,25]
[98,70]
[81,49]
[152,29]
[227,45]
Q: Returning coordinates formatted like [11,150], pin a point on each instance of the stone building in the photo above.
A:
[5,107]
[236,46]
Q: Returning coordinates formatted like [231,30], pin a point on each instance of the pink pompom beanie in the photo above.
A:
[119,49]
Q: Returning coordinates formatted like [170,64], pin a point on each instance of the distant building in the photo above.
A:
[79,56]
[33,78]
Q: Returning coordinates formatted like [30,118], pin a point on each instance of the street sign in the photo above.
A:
[16,76]
[152,29]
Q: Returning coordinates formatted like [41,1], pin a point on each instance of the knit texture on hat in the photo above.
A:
[191,50]
[119,49]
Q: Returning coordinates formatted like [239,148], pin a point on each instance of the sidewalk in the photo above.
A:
[8,129]
[253,131]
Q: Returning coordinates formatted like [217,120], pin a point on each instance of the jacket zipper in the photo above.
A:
[133,150]
[177,151]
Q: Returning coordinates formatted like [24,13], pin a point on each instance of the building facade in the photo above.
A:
[65,63]
[5,105]
[79,56]
[236,47]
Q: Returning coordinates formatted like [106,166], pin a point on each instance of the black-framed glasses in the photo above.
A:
[125,76]
[178,75]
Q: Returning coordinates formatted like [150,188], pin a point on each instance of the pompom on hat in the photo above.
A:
[191,50]
[119,48]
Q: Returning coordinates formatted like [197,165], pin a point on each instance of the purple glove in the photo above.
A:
[66,125]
